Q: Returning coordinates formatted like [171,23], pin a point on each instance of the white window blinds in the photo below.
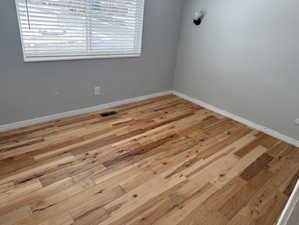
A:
[67,29]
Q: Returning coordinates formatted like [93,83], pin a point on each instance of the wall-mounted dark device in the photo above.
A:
[198,17]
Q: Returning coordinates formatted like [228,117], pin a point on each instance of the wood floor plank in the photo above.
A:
[15,216]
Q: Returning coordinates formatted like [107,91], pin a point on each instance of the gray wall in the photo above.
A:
[243,59]
[28,90]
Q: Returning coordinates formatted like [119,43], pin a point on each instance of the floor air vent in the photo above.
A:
[106,114]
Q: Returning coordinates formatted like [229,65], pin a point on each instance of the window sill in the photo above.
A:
[66,58]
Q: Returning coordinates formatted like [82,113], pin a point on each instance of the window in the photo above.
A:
[71,29]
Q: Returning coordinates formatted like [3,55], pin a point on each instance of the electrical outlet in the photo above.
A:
[97,90]
[297,121]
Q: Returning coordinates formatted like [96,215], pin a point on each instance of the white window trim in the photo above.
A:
[68,58]
[79,57]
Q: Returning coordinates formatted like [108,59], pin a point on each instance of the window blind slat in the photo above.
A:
[65,28]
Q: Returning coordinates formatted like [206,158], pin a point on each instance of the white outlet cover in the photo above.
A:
[297,121]
[97,90]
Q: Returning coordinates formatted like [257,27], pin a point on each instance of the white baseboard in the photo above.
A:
[249,123]
[11,126]
[242,120]
[291,204]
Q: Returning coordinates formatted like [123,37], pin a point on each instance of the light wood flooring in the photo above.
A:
[163,161]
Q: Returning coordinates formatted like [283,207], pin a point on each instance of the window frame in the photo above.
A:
[80,57]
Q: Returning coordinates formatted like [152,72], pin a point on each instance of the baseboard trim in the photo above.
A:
[291,204]
[271,132]
[242,120]
[25,123]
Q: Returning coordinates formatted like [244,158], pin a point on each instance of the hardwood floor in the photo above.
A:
[163,161]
